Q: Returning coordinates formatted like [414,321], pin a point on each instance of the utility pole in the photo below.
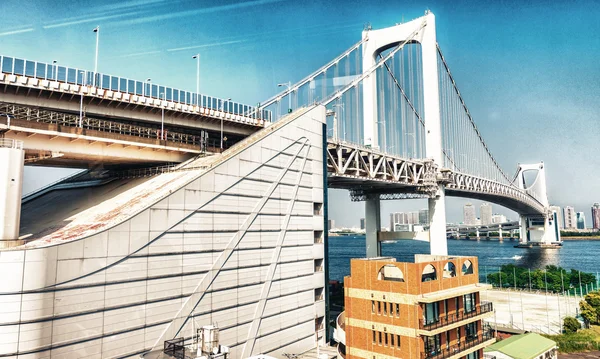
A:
[97,31]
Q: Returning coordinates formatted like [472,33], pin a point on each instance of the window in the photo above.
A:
[380,341]
[429,273]
[458,335]
[374,337]
[469,302]
[471,331]
[378,307]
[398,341]
[430,313]
[448,340]
[397,310]
[449,270]
[373,306]
[432,344]
[474,355]
[390,272]
[391,340]
[467,267]
[386,339]
[385,311]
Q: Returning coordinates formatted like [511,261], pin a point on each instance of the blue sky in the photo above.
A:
[529,71]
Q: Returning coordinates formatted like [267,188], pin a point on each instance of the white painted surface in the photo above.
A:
[11,184]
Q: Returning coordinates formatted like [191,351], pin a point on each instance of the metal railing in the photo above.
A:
[75,76]
[484,307]
[447,352]
[10,143]
[69,120]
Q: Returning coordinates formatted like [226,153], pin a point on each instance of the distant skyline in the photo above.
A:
[528,71]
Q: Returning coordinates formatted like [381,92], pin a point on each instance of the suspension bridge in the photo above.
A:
[400,128]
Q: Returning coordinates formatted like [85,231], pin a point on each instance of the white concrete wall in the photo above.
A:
[11,185]
[205,251]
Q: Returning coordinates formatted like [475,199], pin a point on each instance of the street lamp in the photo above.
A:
[54,62]
[148,80]
[222,103]
[97,31]
[289,86]
[83,74]
[197,57]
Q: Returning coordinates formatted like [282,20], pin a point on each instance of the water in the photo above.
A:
[580,255]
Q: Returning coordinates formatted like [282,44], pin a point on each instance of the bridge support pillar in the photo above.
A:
[438,244]
[500,234]
[523,230]
[12,159]
[372,225]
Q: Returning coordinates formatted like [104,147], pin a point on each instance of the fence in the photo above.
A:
[75,76]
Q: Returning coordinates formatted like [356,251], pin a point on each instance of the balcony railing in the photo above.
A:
[443,352]
[484,307]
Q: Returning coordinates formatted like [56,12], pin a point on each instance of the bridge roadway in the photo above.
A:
[121,120]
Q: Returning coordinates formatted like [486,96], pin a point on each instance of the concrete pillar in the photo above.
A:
[523,230]
[11,184]
[500,236]
[372,225]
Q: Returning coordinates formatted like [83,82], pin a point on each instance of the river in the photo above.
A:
[577,254]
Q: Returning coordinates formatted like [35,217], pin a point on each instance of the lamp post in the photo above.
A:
[148,80]
[83,74]
[197,57]
[289,86]
[55,66]
[97,31]
[222,103]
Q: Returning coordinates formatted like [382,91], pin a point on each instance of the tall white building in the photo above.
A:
[559,216]
[403,218]
[498,218]
[485,213]
[469,216]
[570,218]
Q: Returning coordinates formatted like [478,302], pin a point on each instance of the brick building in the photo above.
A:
[429,309]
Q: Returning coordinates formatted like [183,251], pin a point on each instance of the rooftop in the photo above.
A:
[524,346]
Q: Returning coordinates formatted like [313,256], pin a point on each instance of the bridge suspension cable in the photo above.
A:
[463,146]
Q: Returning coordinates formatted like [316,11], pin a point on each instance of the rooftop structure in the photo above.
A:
[427,309]
[524,346]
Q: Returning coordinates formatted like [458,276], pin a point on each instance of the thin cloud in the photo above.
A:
[139,54]
[92,20]
[206,45]
[131,4]
[206,10]
[14,32]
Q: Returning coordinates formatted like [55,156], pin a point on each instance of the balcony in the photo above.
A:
[339,333]
[458,349]
[445,320]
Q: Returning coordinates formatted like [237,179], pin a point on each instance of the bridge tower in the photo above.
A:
[537,229]
[378,41]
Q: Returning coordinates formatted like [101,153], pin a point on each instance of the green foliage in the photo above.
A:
[571,325]
[588,312]
[582,340]
[579,234]
[549,278]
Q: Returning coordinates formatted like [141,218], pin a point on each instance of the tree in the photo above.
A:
[588,312]
[571,325]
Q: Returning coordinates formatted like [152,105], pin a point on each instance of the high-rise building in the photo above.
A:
[485,213]
[559,216]
[498,218]
[596,215]
[580,220]
[399,310]
[403,218]
[330,224]
[362,223]
[569,217]
[424,216]
[469,216]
